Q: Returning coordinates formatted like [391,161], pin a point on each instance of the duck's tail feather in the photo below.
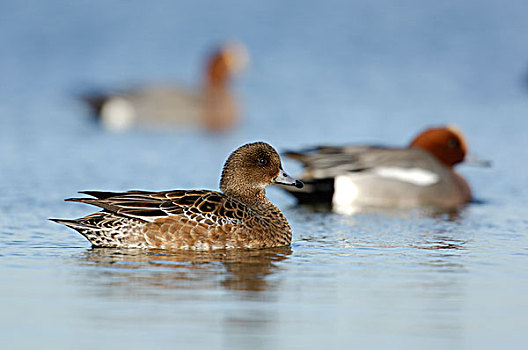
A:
[95,202]
[103,229]
[95,101]
[314,191]
[86,226]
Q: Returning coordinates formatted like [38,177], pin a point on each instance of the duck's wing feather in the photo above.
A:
[308,156]
[202,206]
[328,163]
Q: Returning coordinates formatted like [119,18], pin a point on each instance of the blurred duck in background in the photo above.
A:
[421,175]
[212,107]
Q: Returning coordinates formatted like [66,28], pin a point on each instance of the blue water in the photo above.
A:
[321,72]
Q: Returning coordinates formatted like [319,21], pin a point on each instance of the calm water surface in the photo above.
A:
[333,72]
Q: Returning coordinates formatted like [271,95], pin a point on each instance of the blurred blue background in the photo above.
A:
[320,72]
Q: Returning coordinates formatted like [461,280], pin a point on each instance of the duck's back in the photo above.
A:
[177,220]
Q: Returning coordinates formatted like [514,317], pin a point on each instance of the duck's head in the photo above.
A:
[229,59]
[253,167]
[446,143]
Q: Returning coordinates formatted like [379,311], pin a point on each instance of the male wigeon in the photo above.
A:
[212,107]
[238,217]
[352,177]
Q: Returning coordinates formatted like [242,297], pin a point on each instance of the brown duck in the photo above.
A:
[238,217]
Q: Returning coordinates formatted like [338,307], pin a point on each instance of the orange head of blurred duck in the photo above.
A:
[229,59]
[446,143]
[221,107]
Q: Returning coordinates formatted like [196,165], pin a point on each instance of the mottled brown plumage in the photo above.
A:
[240,217]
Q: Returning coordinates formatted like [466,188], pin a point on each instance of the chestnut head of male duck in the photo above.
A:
[445,143]
[240,217]
[220,107]
[225,62]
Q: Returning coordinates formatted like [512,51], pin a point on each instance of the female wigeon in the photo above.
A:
[362,176]
[238,217]
[213,107]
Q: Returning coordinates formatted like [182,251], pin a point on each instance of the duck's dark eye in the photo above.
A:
[453,143]
[262,161]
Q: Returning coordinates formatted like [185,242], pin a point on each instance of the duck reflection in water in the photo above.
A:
[235,269]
